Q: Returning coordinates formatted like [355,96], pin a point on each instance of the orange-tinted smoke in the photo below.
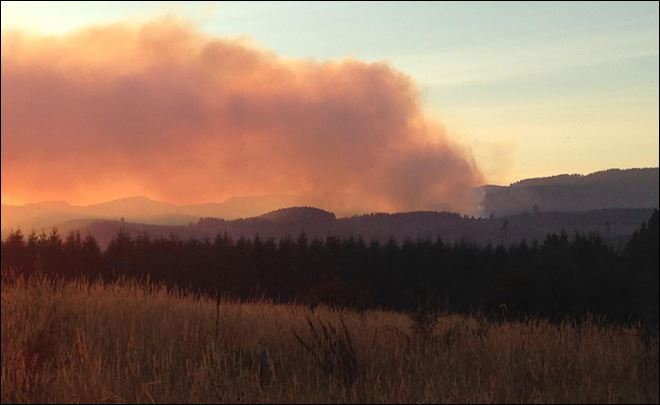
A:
[165,111]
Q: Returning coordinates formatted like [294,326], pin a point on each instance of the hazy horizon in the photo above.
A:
[137,196]
[624,191]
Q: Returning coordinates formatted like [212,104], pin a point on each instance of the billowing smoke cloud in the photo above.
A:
[165,111]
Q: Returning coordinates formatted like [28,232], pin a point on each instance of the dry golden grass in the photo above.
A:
[73,342]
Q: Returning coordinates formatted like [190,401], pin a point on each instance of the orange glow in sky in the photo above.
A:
[165,111]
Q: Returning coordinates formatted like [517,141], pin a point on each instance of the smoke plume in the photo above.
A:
[166,111]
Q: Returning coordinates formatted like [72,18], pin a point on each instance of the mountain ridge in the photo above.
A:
[613,225]
[612,188]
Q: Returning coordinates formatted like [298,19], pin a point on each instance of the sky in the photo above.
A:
[523,89]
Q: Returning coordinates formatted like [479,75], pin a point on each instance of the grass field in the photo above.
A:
[75,342]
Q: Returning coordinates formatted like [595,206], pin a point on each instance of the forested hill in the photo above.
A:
[559,277]
[614,226]
[614,188]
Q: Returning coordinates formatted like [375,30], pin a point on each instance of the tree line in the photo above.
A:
[559,277]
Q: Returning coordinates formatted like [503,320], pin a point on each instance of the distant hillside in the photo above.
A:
[631,188]
[135,209]
[298,214]
[614,225]
[610,189]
